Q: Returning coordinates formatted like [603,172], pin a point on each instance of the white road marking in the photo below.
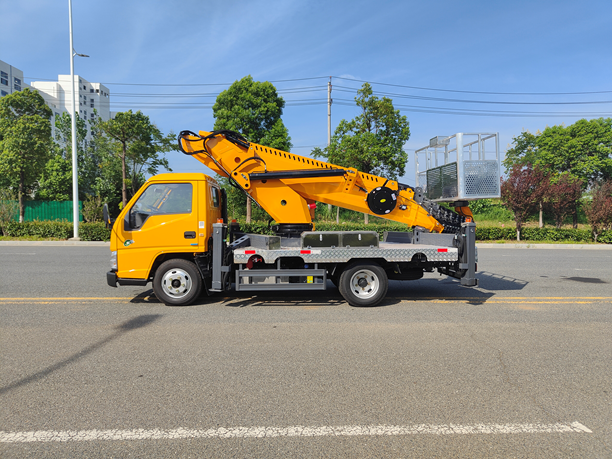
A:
[291,431]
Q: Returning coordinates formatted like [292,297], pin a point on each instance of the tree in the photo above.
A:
[582,150]
[55,182]
[253,109]
[522,191]
[8,209]
[138,140]
[562,195]
[25,139]
[373,141]
[598,210]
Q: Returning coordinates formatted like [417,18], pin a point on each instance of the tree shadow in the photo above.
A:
[580,279]
[127,326]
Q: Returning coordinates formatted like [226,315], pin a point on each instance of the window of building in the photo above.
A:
[98,91]
[57,114]
[17,81]
[91,90]
[4,78]
[4,93]
[84,87]
[17,84]
[92,116]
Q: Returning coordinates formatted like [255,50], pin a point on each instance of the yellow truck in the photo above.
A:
[175,231]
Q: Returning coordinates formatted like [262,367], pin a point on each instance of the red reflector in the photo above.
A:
[312,205]
[251,251]
[442,250]
[305,252]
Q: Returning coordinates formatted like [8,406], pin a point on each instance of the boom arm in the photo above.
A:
[287,185]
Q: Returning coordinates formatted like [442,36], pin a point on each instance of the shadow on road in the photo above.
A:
[496,282]
[134,323]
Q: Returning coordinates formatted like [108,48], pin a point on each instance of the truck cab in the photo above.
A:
[171,217]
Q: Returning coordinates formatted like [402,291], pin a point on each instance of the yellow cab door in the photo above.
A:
[162,219]
[211,207]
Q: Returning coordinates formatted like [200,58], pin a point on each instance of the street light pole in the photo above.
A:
[75,172]
[75,169]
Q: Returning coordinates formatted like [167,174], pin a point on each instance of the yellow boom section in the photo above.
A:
[285,184]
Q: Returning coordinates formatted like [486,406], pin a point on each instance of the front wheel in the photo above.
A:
[177,282]
[363,285]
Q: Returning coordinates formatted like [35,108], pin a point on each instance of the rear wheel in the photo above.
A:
[177,282]
[363,285]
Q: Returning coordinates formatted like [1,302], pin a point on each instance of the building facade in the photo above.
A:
[94,99]
[11,79]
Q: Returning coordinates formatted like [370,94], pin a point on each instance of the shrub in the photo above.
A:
[94,231]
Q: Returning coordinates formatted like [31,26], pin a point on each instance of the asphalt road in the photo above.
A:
[518,367]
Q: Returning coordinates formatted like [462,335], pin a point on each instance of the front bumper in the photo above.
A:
[112,280]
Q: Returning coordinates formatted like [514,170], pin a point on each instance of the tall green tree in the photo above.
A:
[25,141]
[137,140]
[253,109]
[582,149]
[373,141]
[55,182]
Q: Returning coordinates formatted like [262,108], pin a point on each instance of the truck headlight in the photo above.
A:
[114,260]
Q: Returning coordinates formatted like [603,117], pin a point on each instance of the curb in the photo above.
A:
[54,243]
[543,246]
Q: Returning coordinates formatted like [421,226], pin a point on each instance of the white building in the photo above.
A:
[11,79]
[93,98]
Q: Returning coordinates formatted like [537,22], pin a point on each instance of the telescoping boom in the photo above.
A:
[287,185]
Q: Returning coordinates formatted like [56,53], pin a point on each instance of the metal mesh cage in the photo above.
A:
[443,182]
[481,178]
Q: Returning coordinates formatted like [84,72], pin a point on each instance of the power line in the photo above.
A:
[469,92]
[348,79]
[426,98]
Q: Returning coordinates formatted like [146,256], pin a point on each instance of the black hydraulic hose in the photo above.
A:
[233,137]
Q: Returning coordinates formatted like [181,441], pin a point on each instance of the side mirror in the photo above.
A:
[108,222]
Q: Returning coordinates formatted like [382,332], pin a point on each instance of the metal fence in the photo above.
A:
[49,210]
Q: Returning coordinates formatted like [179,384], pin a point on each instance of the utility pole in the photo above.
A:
[329,111]
[330,136]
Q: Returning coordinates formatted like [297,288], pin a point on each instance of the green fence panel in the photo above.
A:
[50,210]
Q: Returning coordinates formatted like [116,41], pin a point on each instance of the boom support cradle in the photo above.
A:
[287,185]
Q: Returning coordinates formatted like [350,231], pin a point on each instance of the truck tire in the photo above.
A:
[177,282]
[363,285]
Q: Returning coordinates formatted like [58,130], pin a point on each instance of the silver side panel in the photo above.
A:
[391,252]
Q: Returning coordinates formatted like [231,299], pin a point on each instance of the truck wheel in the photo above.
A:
[363,285]
[177,282]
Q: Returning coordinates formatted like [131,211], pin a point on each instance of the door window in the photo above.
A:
[161,199]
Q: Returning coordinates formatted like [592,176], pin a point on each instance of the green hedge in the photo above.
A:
[62,230]
[541,234]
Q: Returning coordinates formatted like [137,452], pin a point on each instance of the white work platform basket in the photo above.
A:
[460,167]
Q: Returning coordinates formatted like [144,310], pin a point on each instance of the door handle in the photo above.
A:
[189,235]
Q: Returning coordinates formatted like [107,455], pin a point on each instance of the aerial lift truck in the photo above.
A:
[176,234]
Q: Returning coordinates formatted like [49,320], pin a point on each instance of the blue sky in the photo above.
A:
[466,48]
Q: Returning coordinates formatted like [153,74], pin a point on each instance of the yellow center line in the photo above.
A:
[437,300]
